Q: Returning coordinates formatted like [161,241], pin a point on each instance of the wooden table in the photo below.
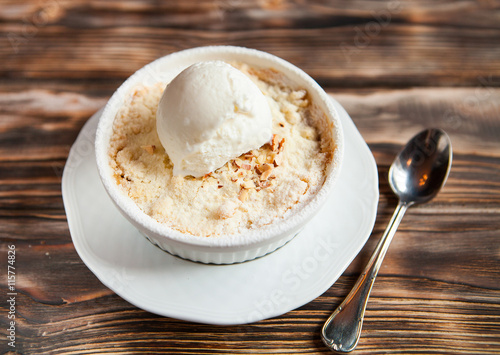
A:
[397,67]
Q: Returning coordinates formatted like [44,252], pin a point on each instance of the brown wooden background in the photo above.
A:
[396,66]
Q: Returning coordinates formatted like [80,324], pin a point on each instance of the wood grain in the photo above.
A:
[392,44]
[431,64]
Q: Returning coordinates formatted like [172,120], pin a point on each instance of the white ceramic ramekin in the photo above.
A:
[226,249]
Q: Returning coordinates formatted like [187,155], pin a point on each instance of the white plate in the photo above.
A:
[242,293]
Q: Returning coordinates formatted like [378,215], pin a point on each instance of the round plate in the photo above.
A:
[272,285]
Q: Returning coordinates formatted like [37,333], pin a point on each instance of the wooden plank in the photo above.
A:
[237,14]
[399,56]
[469,115]
[358,44]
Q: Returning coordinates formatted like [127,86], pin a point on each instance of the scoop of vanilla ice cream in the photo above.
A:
[209,114]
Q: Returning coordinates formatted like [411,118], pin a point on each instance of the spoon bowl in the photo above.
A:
[421,168]
[417,174]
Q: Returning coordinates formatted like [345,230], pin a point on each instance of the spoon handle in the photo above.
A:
[342,330]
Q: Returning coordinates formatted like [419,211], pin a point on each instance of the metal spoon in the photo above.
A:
[416,176]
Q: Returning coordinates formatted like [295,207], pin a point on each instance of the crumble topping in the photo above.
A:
[248,192]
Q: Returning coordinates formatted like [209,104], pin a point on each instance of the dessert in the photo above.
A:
[253,190]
